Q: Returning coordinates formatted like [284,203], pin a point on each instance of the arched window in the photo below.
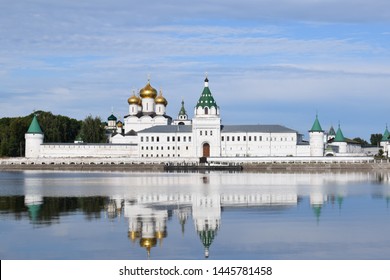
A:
[206,110]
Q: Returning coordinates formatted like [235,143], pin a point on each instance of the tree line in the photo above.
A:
[56,128]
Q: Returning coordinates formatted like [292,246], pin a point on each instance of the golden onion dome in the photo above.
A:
[161,99]
[148,91]
[134,99]
[119,124]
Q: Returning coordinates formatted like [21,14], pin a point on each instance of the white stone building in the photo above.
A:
[147,132]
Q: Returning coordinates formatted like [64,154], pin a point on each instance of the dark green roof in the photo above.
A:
[331,131]
[182,110]
[112,118]
[34,126]
[386,135]
[316,126]
[206,99]
[339,136]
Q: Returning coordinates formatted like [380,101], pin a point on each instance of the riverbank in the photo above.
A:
[293,164]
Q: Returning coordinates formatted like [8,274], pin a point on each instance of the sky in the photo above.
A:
[267,61]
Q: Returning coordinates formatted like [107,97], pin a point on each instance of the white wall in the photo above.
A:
[88,150]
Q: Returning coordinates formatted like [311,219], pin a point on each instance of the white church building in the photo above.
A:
[148,132]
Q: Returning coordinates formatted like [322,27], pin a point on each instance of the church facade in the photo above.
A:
[148,132]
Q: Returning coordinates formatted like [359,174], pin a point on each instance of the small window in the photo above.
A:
[227,138]
[189,138]
[178,138]
[238,138]
[223,138]
[152,138]
[211,133]
[233,138]
[147,138]
[168,139]
[200,132]
[158,139]
[205,133]
[185,139]
[250,138]
[244,138]
[173,138]
[142,139]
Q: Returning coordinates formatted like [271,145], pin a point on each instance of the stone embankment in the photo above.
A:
[266,164]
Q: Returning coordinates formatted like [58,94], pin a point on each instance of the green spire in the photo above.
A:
[206,99]
[316,126]
[339,136]
[34,126]
[386,135]
[331,131]
[182,110]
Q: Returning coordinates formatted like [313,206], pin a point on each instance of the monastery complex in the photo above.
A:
[147,132]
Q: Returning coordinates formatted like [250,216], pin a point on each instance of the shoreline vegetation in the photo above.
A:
[274,165]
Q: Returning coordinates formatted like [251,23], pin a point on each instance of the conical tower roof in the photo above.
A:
[339,136]
[316,126]
[34,126]
[206,99]
[332,132]
[386,135]
[182,111]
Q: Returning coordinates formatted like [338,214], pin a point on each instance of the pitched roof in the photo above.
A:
[331,131]
[316,126]
[206,99]
[34,126]
[167,129]
[266,128]
[339,136]
[386,135]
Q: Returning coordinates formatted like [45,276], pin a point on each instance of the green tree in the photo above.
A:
[376,139]
[56,128]
[360,141]
[92,130]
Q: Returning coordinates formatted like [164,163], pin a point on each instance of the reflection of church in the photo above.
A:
[148,214]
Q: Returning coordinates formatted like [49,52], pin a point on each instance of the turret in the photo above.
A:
[316,139]
[339,140]
[206,125]
[34,138]
[385,141]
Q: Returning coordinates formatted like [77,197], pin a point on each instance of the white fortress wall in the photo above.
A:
[55,150]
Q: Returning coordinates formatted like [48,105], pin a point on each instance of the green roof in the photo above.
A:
[182,110]
[386,135]
[331,131]
[206,99]
[34,126]
[316,126]
[112,118]
[339,136]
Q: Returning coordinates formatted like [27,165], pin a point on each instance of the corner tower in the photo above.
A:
[206,125]
[34,139]
[316,139]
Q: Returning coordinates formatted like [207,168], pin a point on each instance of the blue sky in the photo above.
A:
[268,62]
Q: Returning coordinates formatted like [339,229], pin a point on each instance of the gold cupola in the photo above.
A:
[134,99]
[148,91]
[161,99]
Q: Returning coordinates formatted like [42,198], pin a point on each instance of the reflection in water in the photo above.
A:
[147,202]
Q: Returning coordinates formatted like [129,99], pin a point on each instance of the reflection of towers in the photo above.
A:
[317,200]
[206,212]
[114,207]
[33,203]
[146,224]
[182,213]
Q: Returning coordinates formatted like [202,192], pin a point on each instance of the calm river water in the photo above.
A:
[217,215]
